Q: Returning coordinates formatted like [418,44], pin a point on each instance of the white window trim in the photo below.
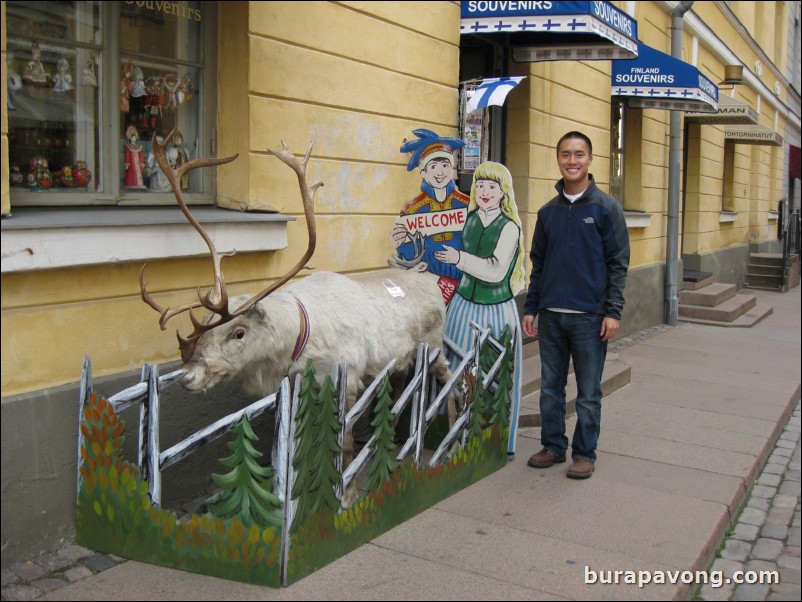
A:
[727,216]
[637,219]
[774,215]
[36,239]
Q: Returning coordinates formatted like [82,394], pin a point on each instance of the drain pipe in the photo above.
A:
[674,169]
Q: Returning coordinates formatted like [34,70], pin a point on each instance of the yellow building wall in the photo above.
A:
[355,78]
[285,74]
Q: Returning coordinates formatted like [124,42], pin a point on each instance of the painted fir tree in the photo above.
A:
[500,404]
[326,451]
[384,462]
[308,408]
[247,489]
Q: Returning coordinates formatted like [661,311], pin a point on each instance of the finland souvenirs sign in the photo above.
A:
[607,32]
[656,76]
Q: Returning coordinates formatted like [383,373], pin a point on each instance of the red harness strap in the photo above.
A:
[303,335]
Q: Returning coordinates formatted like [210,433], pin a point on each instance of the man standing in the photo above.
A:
[580,257]
[437,215]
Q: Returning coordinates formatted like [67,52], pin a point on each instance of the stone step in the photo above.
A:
[766,259]
[724,312]
[616,375]
[709,296]
[764,270]
[746,320]
[692,281]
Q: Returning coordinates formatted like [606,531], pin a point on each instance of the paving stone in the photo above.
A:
[99,562]
[748,591]
[792,575]
[75,552]
[53,561]
[793,488]
[761,491]
[789,436]
[19,591]
[780,516]
[77,573]
[736,550]
[716,594]
[794,537]
[9,577]
[786,589]
[746,532]
[49,584]
[793,551]
[774,531]
[769,480]
[767,549]
[753,516]
[28,570]
[759,503]
[785,501]
[774,469]
[784,443]
[782,452]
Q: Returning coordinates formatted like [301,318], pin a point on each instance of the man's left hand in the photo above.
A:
[609,328]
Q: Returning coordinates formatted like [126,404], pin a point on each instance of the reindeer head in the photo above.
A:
[216,298]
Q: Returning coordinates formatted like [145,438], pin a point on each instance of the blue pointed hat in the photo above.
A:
[428,146]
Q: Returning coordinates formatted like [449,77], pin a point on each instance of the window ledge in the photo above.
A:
[774,215]
[638,219]
[48,238]
[727,216]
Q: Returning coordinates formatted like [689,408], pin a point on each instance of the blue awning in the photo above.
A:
[596,30]
[656,80]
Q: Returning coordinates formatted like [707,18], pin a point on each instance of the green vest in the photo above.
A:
[481,242]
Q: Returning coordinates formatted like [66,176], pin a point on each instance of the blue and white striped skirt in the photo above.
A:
[458,316]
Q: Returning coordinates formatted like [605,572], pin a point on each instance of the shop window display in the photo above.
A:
[67,143]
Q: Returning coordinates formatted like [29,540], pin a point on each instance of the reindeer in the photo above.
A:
[363,321]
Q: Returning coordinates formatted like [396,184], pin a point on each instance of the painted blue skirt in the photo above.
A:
[458,316]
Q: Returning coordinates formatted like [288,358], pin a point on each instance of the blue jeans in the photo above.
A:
[564,336]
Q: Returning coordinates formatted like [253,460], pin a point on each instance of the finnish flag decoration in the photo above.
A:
[491,91]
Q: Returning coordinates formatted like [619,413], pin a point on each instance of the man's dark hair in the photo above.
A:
[575,134]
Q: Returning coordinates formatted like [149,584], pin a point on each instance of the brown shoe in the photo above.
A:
[580,469]
[545,458]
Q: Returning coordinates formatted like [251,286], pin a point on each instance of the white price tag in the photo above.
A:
[394,290]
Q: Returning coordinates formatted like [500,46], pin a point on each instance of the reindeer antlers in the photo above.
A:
[216,298]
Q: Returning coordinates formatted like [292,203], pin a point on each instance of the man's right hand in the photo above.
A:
[528,325]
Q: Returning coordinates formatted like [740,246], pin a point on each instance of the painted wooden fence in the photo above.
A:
[421,393]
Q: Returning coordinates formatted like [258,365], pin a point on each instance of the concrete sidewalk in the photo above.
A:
[680,448]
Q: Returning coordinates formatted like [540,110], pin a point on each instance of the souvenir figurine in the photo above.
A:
[39,176]
[89,78]
[153,102]
[138,84]
[134,160]
[158,181]
[186,88]
[62,81]
[15,177]
[35,72]
[14,82]
[64,177]
[177,155]
[171,88]
[137,94]
[81,173]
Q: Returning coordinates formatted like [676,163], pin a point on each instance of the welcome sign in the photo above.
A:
[437,222]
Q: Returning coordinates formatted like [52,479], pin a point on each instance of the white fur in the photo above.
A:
[351,319]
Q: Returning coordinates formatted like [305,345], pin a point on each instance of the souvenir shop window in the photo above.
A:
[91,84]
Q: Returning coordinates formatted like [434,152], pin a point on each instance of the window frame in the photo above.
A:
[109,136]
